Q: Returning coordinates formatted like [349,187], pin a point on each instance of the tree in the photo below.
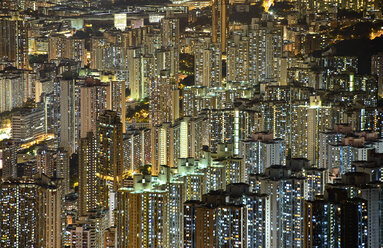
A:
[146,169]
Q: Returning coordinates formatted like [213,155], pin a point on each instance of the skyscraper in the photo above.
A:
[93,100]
[373,194]
[109,136]
[9,149]
[28,124]
[89,174]
[69,109]
[14,42]
[138,84]
[15,88]
[62,169]
[231,218]
[88,231]
[50,210]
[170,36]
[336,221]
[122,216]
[164,100]
[45,163]
[147,213]
[208,63]
[220,21]
[284,219]
[31,215]
[261,152]
[191,123]
[318,119]
[116,100]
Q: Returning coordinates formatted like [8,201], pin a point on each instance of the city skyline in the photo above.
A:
[191,124]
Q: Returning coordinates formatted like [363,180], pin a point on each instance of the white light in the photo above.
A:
[120,21]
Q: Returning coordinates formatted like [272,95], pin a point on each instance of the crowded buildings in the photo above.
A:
[201,123]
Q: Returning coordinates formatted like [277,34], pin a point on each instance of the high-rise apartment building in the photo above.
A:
[79,236]
[62,47]
[373,194]
[69,121]
[137,149]
[192,179]
[261,152]
[50,212]
[338,153]
[377,69]
[97,47]
[170,37]
[122,217]
[9,149]
[93,100]
[75,50]
[286,191]
[147,212]
[109,136]
[137,82]
[336,221]
[62,160]
[265,49]
[318,120]
[14,42]
[116,100]
[164,100]
[28,124]
[88,231]
[233,218]
[15,88]
[220,21]
[238,63]
[208,63]
[45,163]
[31,215]
[56,46]
[89,177]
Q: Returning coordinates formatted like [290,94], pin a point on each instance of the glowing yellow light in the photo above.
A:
[127,174]
[38,140]
[106,177]
[376,34]
[267,4]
